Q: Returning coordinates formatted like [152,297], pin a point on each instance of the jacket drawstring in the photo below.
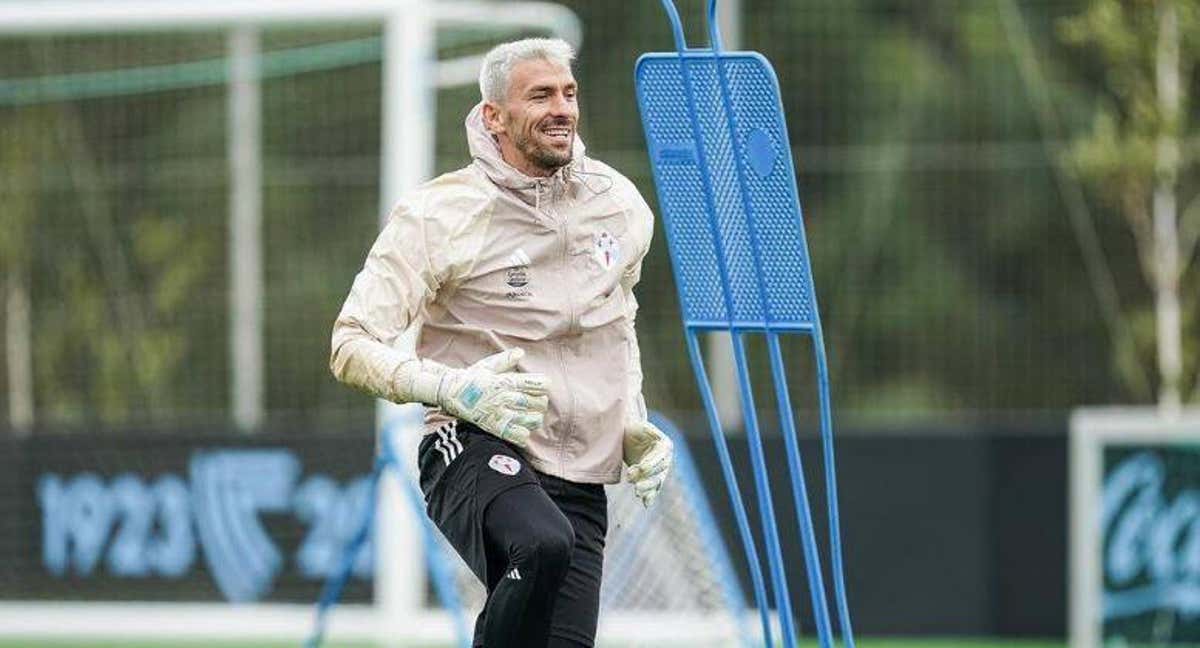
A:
[538,185]
[580,172]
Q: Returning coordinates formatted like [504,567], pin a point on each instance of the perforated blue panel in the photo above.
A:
[760,232]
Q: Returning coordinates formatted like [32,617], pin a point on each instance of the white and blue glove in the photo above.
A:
[490,393]
[648,455]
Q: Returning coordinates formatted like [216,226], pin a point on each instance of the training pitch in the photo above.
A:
[864,643]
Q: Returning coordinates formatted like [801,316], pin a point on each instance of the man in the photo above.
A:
[520,269]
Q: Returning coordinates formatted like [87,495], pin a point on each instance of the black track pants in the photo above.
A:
[535,541]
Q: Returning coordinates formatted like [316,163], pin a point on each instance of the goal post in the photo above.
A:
[411,74]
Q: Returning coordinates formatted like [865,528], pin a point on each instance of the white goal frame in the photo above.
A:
[411,76]
[1091,430]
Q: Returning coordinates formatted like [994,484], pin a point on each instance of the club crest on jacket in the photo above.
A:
[606,249]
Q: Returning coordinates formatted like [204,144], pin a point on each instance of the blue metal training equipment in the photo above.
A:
[722,165]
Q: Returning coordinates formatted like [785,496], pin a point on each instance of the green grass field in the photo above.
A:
[864,643]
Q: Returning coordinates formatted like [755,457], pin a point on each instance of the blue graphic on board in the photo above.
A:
[229,491]
[1152,541]
[333,514]
[131,527]
[149,525]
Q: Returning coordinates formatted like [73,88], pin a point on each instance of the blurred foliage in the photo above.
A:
[1118,156]
[109,283]
[949,277]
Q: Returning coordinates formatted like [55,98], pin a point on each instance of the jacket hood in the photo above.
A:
[485,150]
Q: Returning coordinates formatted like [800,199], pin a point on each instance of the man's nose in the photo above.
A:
[561,107]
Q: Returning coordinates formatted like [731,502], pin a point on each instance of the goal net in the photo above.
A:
[668,578]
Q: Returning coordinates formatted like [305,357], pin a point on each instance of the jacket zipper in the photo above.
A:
[568,414]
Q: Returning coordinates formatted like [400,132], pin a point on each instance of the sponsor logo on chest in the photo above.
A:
[516,275]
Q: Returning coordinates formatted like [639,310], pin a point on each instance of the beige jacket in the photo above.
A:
[487,258]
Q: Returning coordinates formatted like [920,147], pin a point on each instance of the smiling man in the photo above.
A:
[520,270]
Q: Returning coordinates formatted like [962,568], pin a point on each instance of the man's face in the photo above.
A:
[536,123]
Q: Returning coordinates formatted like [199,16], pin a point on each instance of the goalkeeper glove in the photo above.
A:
[648,453]
[490,394]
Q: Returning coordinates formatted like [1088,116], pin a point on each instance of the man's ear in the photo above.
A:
[491,118]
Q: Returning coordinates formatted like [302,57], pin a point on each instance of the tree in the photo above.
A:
[20,156]
[1140,154]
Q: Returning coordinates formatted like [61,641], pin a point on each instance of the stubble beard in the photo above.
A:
[542,157]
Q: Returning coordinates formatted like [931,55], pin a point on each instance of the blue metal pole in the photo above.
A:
[731,485]
[762,483]
[676,25]
[800,493]
[337,581]
[831,498]
[771,535]
[816,580]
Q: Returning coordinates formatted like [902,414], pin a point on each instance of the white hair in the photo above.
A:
[498,63]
